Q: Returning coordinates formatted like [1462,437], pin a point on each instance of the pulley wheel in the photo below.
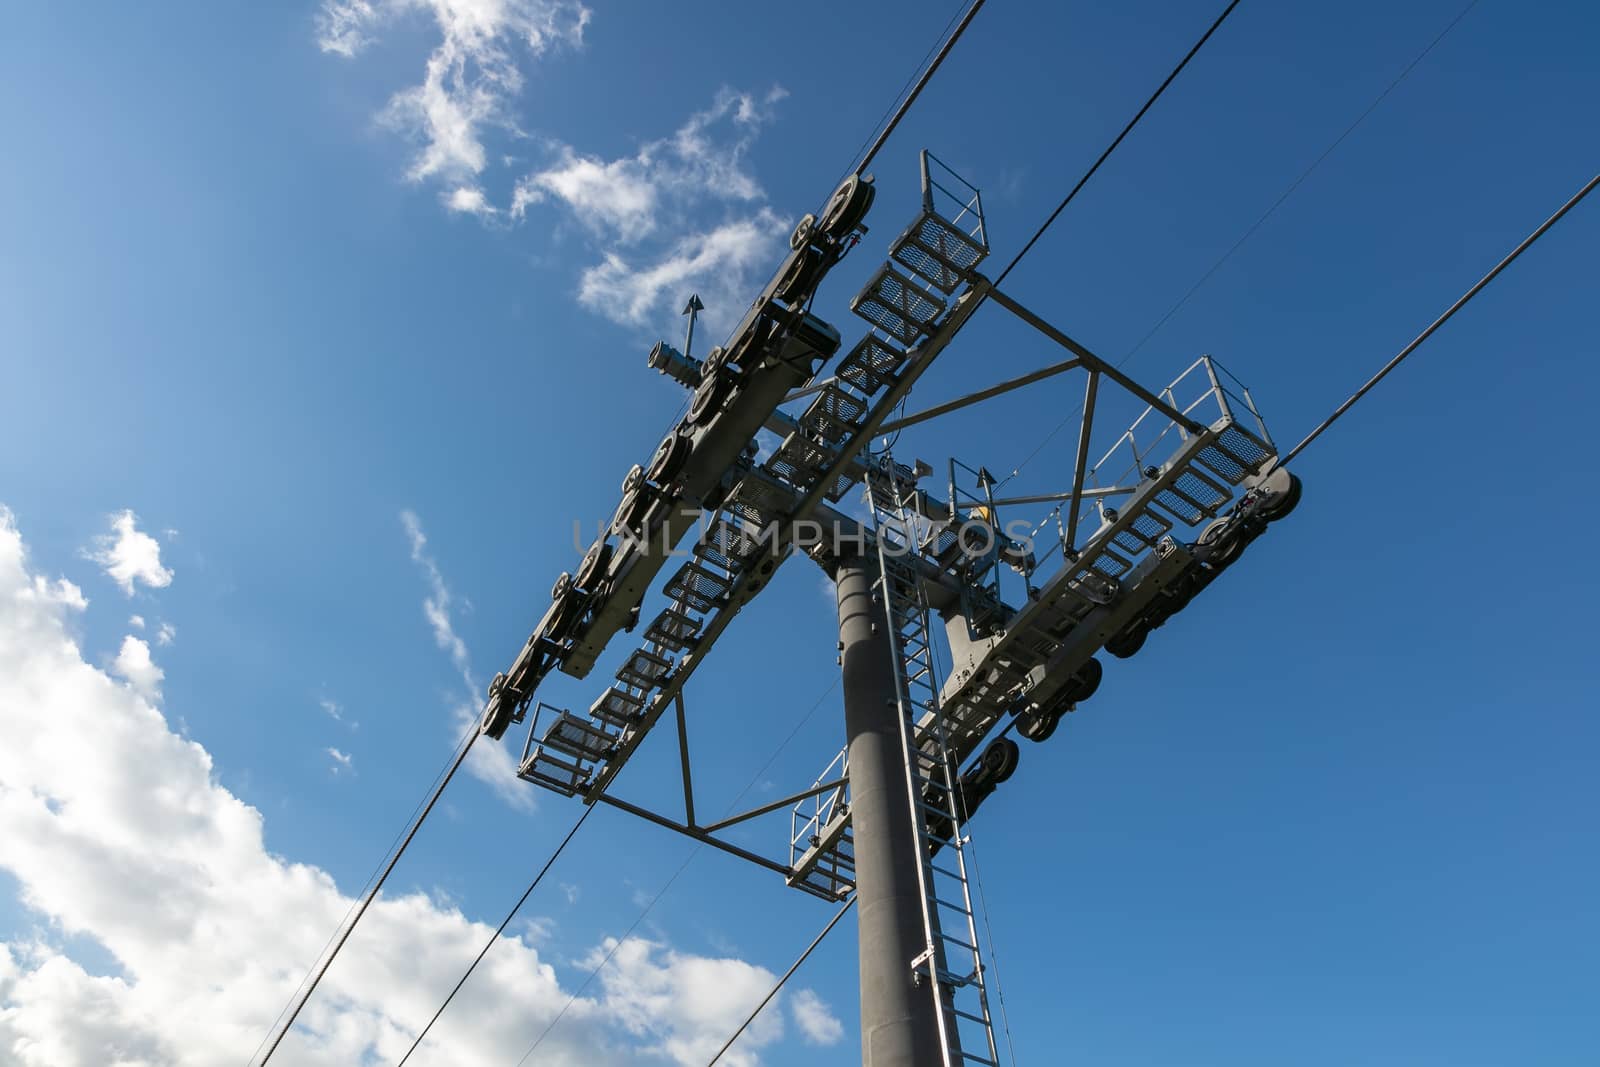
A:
[1226,551]
[1084,682]
[1037,726]
[1000,759]
[562,587]
[803,231]
[709,397]
[848,206]
[1127,643]
[669,459]
[593,566]
[801,272]
[633,479]
[1285,489]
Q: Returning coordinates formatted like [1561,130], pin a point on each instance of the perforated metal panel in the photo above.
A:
[696,588]
[643,669]
[619,707]
[897,306]
[673,630]
[1236,454]
[871,364]
[834,415]
[935,250]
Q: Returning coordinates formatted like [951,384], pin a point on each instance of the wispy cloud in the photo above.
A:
[683,211]
[720,263]
[341,760]
[128,555]
[470,77]
[167,634]
[490,762]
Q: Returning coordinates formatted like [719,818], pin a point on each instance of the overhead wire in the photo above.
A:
[537,878]
[687,860]
[1255,226]
[1449,312]
[371,895]
[905,101]
[826,930]
[356,900]
[854,168]
[994,953]
[922,83]
[526,893]
[1112,147]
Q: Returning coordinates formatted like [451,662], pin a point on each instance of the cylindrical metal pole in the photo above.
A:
[898,1025]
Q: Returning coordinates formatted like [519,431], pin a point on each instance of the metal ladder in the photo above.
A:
[952,966]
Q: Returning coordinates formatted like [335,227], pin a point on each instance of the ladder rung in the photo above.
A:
[971,1018]
[957,941]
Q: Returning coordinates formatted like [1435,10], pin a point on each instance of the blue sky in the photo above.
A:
[271,280]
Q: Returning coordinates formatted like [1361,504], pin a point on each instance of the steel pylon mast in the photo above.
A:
[1132,538]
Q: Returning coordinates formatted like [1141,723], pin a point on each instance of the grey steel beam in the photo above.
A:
[1084,429]
[698,833]
[1094,361]
[1051,498]
[792,798]
[981,395]
[683,757]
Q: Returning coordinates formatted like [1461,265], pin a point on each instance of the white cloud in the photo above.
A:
[132,843]
[332,708]
[469,78]
[662,191]
[468,200]
[166,634]
[704,160]
[817,1023]
[490,762]
[635,207]
[701,1000]
[341,760]
[133,663]
[136,621]
[130,555]
[719,263]
[617,196]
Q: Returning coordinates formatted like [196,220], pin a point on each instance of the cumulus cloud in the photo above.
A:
[134,665]
[706,999]
[469,78]
[166,634]
[816,1021]
[129,555]
[136,621]
[489,762]
[132,843]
